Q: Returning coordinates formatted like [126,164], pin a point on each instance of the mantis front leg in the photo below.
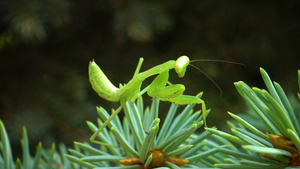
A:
[172,93]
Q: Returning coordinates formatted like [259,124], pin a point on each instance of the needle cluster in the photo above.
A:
[140,141]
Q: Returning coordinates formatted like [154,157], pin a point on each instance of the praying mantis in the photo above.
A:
[159,88]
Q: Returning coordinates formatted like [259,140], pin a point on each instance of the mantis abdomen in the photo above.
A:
[101,84]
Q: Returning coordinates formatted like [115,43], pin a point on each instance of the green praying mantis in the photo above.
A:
[159,88]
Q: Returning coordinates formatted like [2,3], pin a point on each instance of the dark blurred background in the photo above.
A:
[46,45]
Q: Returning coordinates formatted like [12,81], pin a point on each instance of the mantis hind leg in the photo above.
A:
[93,137]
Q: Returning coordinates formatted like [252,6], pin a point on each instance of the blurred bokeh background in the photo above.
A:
[46,45]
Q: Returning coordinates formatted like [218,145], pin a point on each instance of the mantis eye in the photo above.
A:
[180,65]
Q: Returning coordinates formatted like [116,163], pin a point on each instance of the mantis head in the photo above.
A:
[180,65]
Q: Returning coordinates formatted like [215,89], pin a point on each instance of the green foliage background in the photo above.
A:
[45,48]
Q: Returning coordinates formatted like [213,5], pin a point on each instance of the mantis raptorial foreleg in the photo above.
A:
[132,90]
[158,88]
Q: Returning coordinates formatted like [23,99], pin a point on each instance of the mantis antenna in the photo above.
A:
[216,60]
[213,60]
